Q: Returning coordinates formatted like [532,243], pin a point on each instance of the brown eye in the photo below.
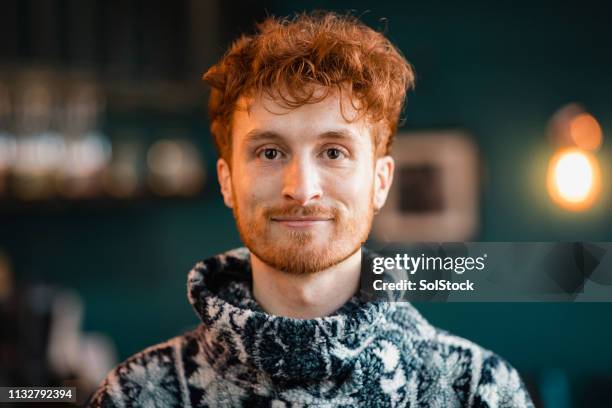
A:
[333,154]
[270,154]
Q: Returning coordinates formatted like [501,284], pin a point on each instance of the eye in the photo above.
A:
[269,154]
[334,154]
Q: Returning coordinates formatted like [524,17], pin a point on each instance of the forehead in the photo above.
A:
[334,113]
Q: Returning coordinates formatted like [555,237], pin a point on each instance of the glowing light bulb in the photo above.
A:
[574,179]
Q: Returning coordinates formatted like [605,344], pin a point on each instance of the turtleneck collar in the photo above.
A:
[234,326]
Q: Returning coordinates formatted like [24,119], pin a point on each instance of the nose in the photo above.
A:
[301,181]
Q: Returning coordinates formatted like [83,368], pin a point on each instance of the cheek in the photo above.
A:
[255,188]
[352,188]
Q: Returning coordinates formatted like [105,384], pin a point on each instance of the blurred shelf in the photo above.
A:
[12,206]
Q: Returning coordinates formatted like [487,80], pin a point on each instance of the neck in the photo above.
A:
[305,296]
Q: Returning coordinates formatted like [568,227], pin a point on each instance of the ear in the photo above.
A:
[224,176]
[383,177]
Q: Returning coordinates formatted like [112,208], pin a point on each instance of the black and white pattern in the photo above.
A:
[367,354]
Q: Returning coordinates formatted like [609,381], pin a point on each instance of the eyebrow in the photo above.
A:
[340,134]
[257,135]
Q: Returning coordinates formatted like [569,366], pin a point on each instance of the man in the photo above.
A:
[303,115]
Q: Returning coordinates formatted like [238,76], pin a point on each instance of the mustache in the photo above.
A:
[314,210]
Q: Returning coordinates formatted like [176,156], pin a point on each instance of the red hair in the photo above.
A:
[286,57]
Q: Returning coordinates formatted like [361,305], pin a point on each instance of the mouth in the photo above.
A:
[301,222]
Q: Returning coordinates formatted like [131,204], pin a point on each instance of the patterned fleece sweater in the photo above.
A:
[367,354]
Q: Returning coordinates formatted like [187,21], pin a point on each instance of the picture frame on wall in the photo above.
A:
[434,195]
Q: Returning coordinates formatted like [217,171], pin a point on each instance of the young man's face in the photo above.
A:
[304,182]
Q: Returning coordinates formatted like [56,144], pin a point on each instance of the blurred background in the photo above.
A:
[108,191]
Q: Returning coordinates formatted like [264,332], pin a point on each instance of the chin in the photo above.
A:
[301,258]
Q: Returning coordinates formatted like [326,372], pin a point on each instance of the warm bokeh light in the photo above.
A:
[586,132]
[175,168]
[574,179]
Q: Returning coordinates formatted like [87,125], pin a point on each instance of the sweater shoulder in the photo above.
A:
[431,339]
[487,379]
[153,374]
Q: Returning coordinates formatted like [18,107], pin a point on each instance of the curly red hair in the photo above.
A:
[286,57]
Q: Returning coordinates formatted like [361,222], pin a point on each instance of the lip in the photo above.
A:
[301,222]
